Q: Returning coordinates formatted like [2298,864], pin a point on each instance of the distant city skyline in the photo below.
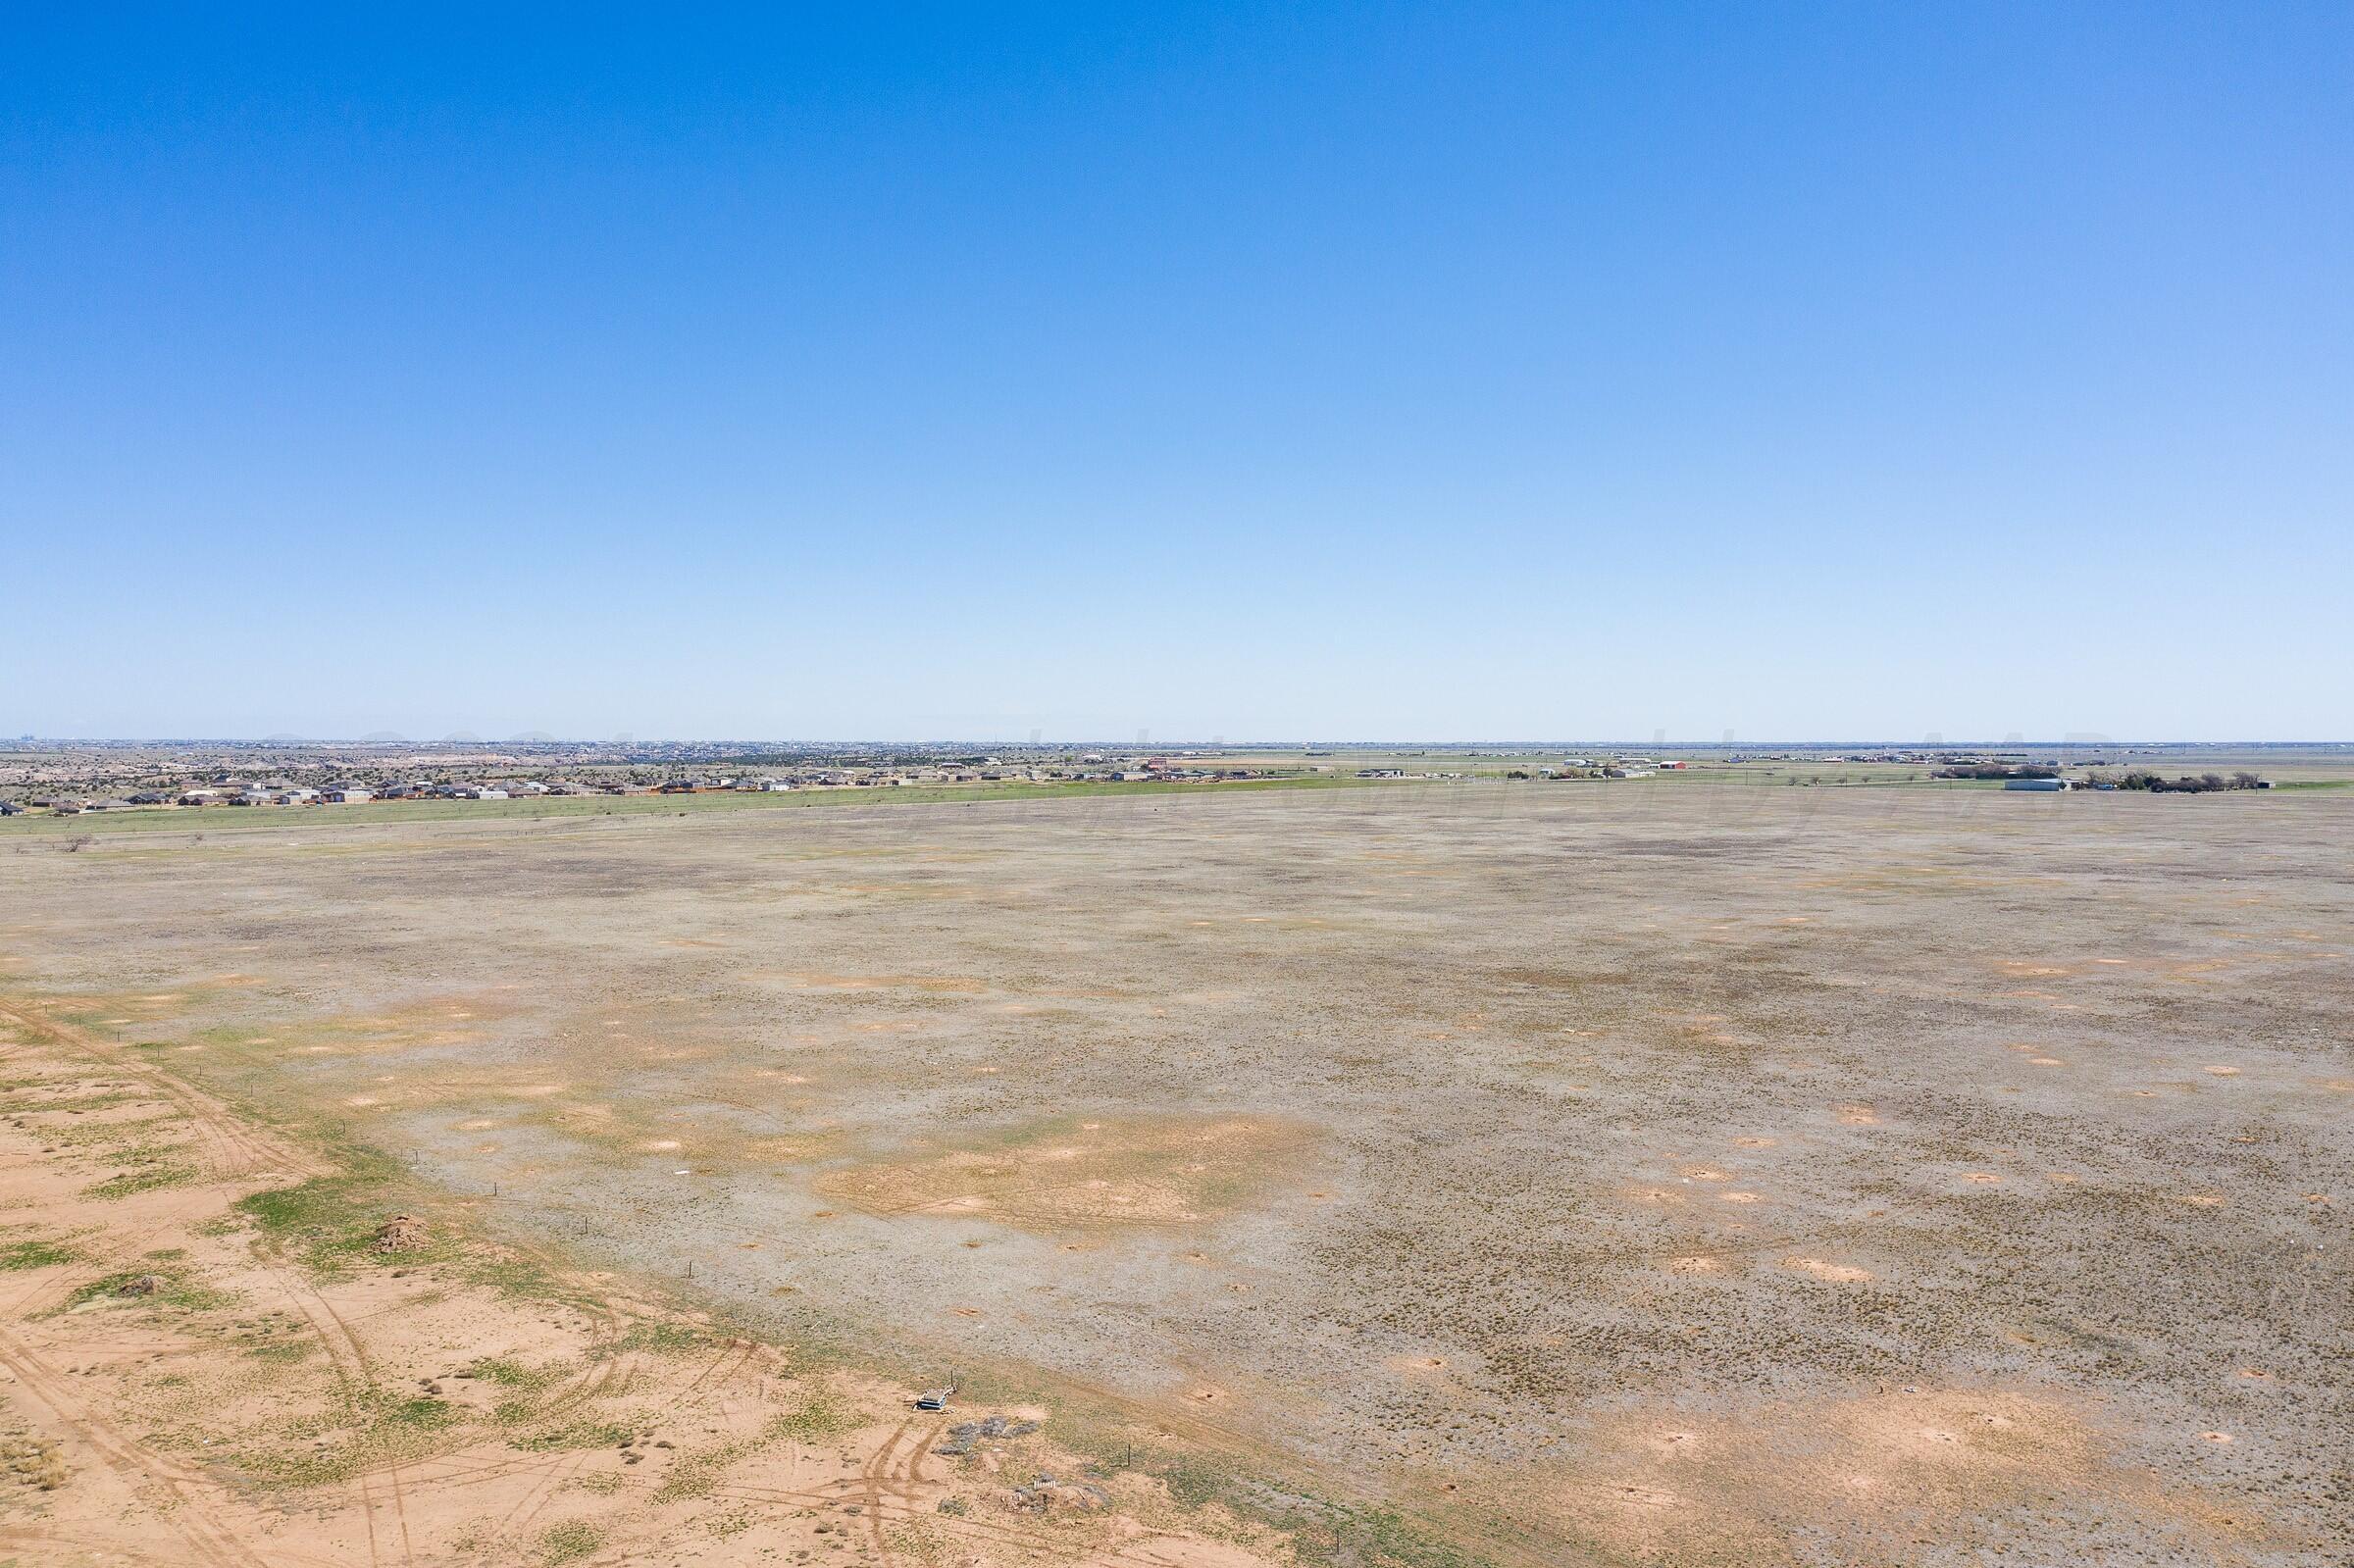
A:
[949,373]
[1145,742]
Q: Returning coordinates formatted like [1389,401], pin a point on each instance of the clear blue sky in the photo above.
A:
[1445,370]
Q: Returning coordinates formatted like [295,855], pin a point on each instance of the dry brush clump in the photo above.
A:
[34,1461]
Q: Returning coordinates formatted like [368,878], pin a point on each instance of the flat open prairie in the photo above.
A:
[1605,1173]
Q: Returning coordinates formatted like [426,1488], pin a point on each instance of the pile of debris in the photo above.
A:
[965,1434]
[1045,1494]
[140,1285]
[402,1232]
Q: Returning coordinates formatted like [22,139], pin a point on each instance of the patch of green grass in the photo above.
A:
[697,1474]
[518,1279]
[813,1420]
[1324,1534]
[1191,1483]
[35,1254]
[30,1104]
[1380,1537]
[282,1352]
[330,1221]
[384,1425]
[419,1412]
[918,1539]
[508,1373]
[81,1135]
[143,1178]
[568,1541]
[584,1432]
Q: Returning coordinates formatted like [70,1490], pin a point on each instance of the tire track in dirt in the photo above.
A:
[146,1473]
[244,1151]
[533,1503]
[232,1152]
[731,1359]
[132,1462]
[723,1367]
[915,1458]
[871,1479]
[39,1294]
[352,1373]
[550,1473]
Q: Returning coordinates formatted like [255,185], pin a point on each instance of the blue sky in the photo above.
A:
[1437,372]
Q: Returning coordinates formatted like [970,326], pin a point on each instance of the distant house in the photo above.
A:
[2037,786]
[199,797]
[9,808]
[255,797]
[346,798]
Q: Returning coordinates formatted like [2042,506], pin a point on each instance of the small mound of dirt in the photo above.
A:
[402,1232]
[139,1284]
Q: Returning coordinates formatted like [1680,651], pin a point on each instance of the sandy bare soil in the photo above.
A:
[218,1354]
[1540,1174]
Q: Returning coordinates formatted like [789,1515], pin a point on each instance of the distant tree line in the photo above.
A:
[2187,784]
[2138,778]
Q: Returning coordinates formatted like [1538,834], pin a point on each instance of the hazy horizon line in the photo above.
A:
[1100,743]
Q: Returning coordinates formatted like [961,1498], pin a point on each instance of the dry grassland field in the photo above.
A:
[1418,1175]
